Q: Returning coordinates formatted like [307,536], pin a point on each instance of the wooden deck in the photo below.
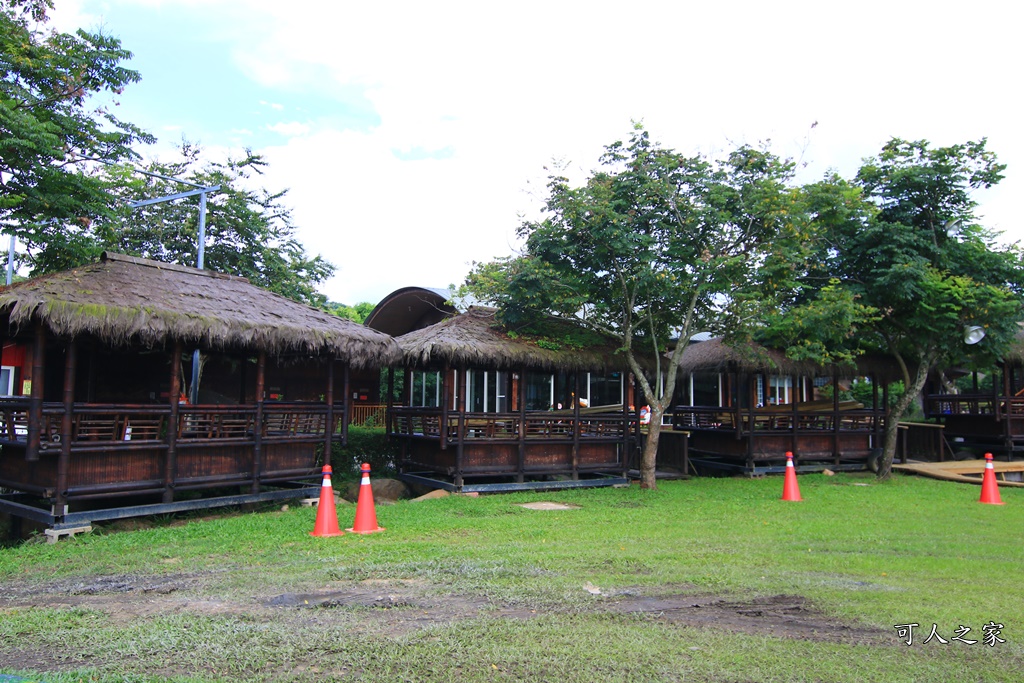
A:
[114,450]
[518,445]
[755,441]
[976,423]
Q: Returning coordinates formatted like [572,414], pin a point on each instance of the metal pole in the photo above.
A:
[194,397]
[202,228]
[10,262]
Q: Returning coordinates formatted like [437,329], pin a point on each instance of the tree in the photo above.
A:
[902,242]
[48,125]
[249,232]
[358,313]
[646,250]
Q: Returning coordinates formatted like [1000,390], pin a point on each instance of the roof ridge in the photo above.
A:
[160,265]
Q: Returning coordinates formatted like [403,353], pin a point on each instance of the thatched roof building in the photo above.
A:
[475,339]
[715,355]
[122,300]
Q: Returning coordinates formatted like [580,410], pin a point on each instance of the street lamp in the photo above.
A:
[973,334]
[202,191]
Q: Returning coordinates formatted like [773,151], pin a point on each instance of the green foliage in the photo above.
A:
[862,392]
[65,212]
[896,262]
[653,246]
[369,445]
[826,329]
[647,244]
[357,313]
[249,232]
[555,335]
[965,384]
[49,125]
[924,262]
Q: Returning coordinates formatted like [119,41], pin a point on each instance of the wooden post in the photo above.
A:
[171,461]
[576,425]
[748,391]
[885,406]
[460,435]
[795,417]
[64,460]
[1003,413]
[35,404]
[637,434]
[876,421]
[329,400]
[521,406]
[390,402]
[347,384]
[442,427]
[404,448]
[835,418]
[625,428]
[258,427]
[733,384]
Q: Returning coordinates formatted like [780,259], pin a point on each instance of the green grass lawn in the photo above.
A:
[862,555]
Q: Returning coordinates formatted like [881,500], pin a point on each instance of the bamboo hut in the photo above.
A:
[507,410]
[746,407]
[97,360]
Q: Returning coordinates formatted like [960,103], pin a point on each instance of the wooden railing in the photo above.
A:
[998,420]
[1009,408]
[779,418]
[102,426]
[938,405]
[426,423]
[370,414]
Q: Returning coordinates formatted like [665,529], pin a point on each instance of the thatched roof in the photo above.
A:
[474,339]
[1014,354]
[715,355]
[122,300]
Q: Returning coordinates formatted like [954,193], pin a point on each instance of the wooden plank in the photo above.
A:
[964,471]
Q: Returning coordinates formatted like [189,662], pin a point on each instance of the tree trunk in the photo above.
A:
[896,414]
[648,460]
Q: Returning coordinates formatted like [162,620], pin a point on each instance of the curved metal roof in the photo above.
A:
[410,308]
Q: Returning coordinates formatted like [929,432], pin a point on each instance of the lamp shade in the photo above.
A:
[973,334]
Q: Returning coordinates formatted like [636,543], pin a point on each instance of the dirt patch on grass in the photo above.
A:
[785,616]
[395,608]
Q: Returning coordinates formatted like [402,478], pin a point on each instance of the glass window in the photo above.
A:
[605,390]
[486,391]
[706,390]
[538,391]
[780,390]
[426,389]
[7,381]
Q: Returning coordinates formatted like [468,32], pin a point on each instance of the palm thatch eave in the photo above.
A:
[475,339]
[126,301]
[715,355]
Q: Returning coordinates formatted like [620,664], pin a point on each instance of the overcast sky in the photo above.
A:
[412,136]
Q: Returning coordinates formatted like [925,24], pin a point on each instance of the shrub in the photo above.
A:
[369,445]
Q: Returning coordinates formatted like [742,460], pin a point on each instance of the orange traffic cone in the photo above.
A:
[366,515]
[989,487]
[790,489]
[326,517]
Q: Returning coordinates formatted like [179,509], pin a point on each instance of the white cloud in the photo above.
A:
[292,129]
[501,89]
